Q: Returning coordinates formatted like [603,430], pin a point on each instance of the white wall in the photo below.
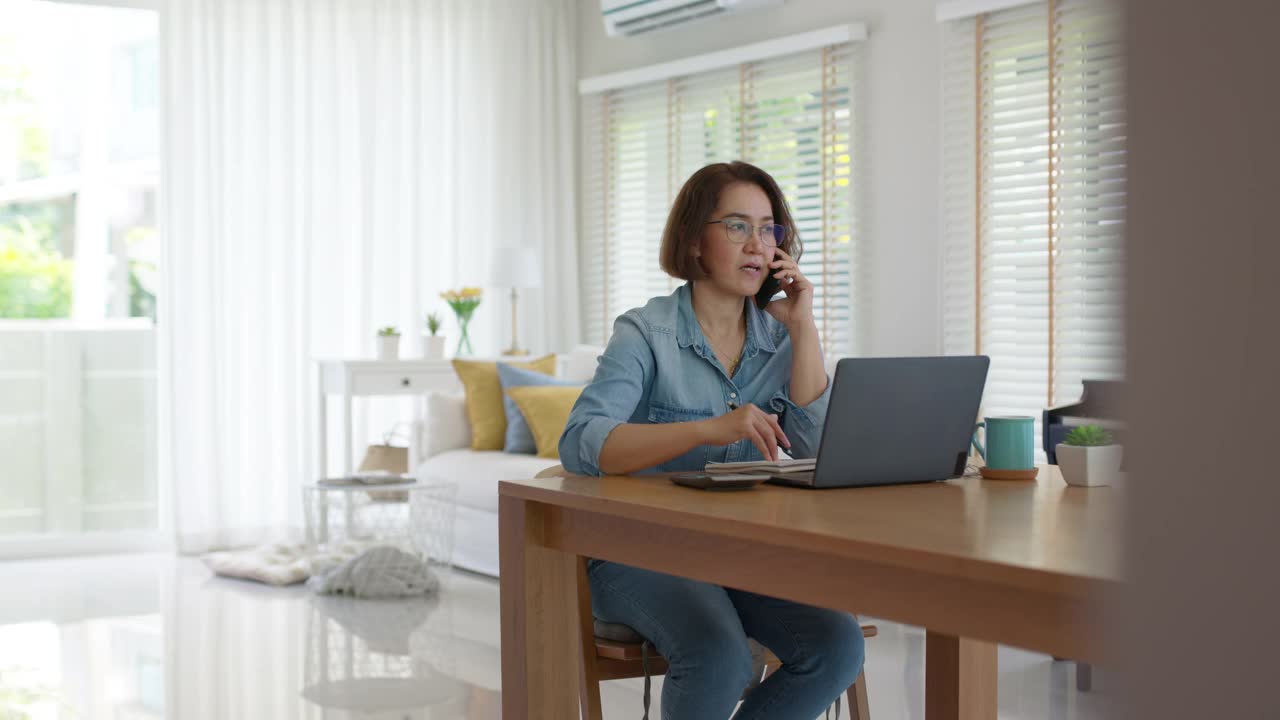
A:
[900,311]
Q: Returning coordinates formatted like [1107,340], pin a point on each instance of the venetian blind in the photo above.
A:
[1033,198]
[792,115]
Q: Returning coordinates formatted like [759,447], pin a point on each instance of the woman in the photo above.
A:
[717,372]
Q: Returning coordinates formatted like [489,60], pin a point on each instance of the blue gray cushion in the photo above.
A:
[617,632]
[519,438]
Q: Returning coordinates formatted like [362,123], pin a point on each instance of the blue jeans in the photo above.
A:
[702,629]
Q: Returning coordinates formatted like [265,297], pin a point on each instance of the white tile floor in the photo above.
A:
[153,636]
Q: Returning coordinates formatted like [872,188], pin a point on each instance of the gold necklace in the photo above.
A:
[733,364]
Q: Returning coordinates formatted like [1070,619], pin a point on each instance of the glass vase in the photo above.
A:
[464,338]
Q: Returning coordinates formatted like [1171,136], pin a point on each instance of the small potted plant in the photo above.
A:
[388,343]
[433,341]
[1089,456]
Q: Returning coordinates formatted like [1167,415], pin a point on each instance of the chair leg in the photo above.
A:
[591,702]
[589,674]
[859,704]
[1084,677]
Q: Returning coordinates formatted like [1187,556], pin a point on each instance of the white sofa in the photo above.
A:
[440,447]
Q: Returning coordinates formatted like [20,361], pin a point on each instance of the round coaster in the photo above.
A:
[993,474]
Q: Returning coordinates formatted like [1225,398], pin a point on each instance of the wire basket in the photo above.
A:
[416,518]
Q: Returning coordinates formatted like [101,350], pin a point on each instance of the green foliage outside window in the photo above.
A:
[20,115]
[35,279]
[142,242]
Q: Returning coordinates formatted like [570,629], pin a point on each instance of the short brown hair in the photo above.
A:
[692,210]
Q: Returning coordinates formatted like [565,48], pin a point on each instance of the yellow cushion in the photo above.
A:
[484,398]
[546,409]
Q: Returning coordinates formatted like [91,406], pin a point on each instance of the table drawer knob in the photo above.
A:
[404,382]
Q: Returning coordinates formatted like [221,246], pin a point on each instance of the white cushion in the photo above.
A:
[447,426]
[475,540]
[579,364]
[279,563]
[477,473]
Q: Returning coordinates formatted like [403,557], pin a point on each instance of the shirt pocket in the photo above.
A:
[695,459]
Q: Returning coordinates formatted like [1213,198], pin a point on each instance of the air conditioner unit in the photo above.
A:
[633,17]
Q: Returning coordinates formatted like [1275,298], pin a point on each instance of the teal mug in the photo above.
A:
[1010,443]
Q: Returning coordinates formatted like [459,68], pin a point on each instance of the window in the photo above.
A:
[792,115]
[78,161]
[1033,207]
[79,259]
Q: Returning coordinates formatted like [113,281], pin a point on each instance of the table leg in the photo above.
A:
[347,467]
[322,439]
[540,651]
[960,678]
[1084,677]
[323,512]
[348,505]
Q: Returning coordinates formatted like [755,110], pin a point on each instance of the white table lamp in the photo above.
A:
[515,268]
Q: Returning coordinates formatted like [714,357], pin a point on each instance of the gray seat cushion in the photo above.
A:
[617,632]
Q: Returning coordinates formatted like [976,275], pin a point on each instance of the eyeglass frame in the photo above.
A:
[755,231]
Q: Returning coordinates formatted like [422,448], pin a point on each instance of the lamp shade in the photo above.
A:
[515,267]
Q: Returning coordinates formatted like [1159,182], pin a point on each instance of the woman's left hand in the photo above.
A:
[797,307]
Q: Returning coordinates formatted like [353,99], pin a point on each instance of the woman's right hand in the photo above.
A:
[751,423]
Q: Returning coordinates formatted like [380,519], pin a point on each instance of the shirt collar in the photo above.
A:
[689,333]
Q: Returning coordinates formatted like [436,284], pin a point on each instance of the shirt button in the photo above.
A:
[733,395]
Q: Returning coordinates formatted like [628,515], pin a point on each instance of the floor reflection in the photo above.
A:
[380,657]
[217,648]
[152,636]
[110,667]
[301,655]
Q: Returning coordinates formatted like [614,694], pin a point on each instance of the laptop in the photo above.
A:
[896,420]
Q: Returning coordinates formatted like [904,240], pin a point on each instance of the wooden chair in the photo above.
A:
[605,659]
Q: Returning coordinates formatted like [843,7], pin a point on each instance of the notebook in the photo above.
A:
[762,466]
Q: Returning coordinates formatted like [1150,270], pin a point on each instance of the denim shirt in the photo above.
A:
[659,368]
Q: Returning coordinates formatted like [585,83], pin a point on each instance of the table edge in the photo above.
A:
[997,572]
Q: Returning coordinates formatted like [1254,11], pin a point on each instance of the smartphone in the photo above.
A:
[703,481]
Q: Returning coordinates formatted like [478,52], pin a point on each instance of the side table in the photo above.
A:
[363,378]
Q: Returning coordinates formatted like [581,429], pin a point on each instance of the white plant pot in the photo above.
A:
[1090,466]
[388,347]
[433,347]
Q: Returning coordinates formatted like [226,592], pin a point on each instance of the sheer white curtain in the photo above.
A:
[330,166]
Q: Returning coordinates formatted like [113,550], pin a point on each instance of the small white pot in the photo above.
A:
[388,347]
[1090,466]
[433,347]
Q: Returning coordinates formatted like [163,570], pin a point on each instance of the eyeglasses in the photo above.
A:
[740,231]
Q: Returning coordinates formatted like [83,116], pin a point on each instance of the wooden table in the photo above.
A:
[975,562]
